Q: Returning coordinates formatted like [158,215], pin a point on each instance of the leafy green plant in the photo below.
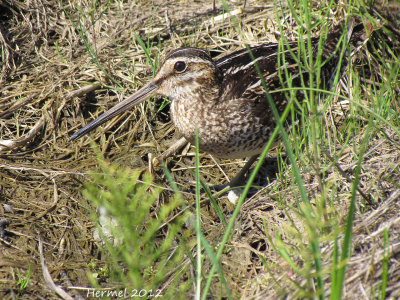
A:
[23,281]
[141,245]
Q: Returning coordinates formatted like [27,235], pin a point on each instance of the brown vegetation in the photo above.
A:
[52,82]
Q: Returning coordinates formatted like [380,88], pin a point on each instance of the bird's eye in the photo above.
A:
[180,66]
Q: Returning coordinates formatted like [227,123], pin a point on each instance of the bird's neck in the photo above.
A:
[190,110]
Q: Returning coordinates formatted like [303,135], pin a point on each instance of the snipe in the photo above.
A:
[224,99]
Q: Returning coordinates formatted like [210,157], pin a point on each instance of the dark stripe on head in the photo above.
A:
[190,52]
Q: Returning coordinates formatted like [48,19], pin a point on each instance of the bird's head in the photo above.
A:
[185,72]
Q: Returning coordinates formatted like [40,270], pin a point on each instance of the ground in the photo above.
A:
[64,63]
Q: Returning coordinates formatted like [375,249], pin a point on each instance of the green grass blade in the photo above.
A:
[198,220]
[385,264]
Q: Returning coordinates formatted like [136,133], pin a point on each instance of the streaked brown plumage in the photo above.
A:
[224,99]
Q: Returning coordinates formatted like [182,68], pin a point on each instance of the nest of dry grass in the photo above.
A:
[51,83]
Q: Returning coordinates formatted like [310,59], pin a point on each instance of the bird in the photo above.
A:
[224,100]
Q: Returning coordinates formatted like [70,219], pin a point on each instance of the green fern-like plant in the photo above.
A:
[141,247]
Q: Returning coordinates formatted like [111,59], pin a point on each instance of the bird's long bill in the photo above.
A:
[145,92]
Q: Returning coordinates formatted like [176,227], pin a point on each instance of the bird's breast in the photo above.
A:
[226,131]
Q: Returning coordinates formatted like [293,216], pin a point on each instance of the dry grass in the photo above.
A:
[51,84]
